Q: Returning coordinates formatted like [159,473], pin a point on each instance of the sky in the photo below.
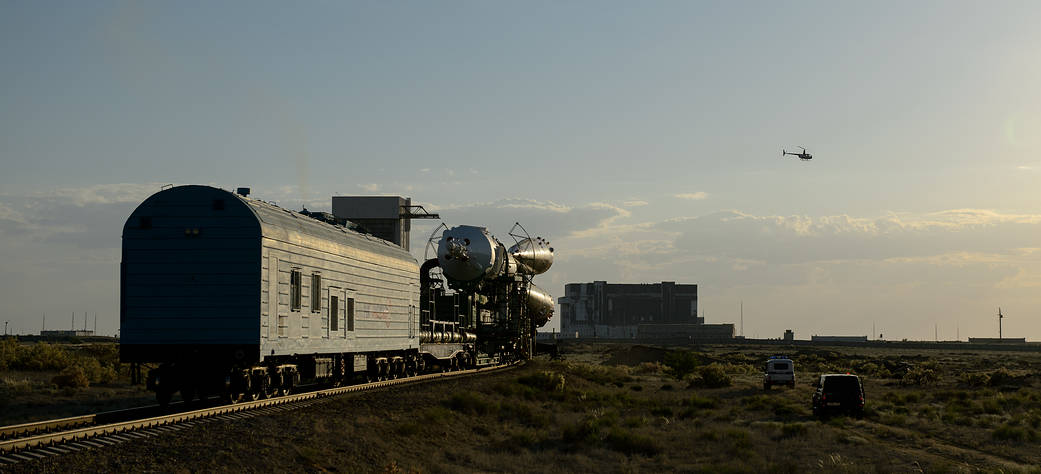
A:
[643,139]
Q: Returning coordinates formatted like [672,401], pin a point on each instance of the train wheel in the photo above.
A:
[231,398]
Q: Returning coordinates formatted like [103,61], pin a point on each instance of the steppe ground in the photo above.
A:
[634,408]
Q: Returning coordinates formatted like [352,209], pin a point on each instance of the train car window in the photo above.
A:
[294,290]
[350,314]
[316,293]
[334,313]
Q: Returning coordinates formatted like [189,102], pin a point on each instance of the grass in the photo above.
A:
[583,415]
[42,380]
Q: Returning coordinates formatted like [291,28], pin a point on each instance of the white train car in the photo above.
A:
[232,294]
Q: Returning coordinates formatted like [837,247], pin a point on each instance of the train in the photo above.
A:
[222,294]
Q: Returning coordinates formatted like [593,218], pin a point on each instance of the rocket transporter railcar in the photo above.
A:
[237,297]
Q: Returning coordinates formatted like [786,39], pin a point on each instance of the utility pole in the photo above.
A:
[5,327]
[742,318]
[1000,317]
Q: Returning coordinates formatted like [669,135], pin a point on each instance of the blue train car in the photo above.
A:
[237,296]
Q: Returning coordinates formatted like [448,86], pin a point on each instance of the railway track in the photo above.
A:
[31,441]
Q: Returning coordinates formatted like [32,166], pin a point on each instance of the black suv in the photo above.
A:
[838,393]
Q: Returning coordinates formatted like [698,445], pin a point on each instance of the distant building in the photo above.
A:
[995,340]
[789,336]
[66,333]
[839,338]
[695,333]
[640,310]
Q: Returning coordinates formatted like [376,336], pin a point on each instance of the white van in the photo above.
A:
[779,371]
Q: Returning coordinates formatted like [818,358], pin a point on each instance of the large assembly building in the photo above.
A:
[663,310]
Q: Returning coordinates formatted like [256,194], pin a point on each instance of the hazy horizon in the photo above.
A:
[643,140]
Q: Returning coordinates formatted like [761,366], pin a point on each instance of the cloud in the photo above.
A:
[795,239]
[547,219]
[635,203]
[87,217]
[692,196]
[370,187]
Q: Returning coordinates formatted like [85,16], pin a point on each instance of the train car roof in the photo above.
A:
[273,220]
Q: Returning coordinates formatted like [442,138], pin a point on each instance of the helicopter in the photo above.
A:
[802,156]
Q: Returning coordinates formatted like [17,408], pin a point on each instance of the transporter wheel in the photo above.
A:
[412,367]
[384,370]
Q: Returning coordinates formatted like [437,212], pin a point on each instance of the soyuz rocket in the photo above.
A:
[469,256]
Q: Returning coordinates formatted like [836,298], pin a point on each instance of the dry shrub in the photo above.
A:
[920,375]
[604,375]
[96,372]
[681,363]
[711,376]
[1008,432]
[8,352]
[1001,376]
[975,379]
[71,377]
[648,368]
[627,442]
[524,414]
[794,430]
[547,381]
[41,356]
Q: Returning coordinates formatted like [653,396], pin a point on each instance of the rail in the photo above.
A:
[24,443]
